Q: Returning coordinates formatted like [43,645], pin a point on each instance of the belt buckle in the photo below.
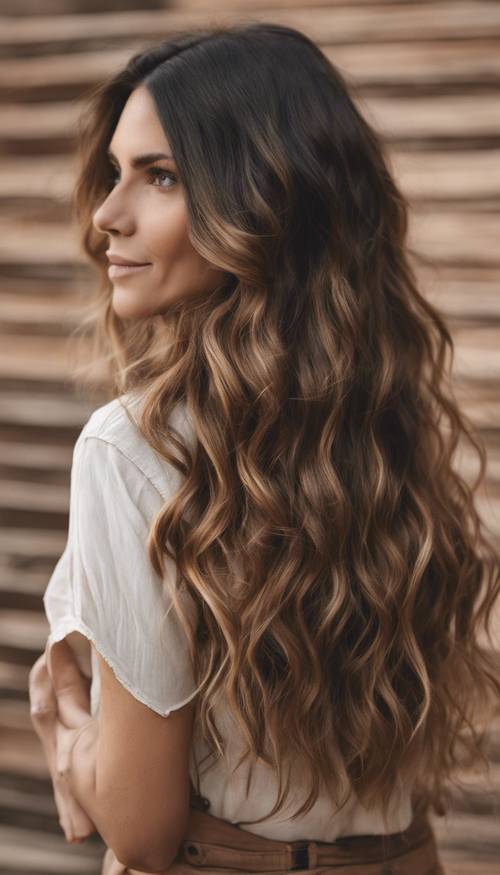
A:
[300,856]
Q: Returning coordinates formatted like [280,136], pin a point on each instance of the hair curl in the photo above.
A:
[336,561]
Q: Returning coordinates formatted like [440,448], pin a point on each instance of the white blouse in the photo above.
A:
[104,588]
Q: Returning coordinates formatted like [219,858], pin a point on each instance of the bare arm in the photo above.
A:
[116,767]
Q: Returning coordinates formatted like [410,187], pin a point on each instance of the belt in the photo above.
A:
[230,847]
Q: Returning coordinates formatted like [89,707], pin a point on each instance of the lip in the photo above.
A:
[114,258]
[115,270]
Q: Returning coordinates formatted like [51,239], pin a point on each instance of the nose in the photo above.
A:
[113,217]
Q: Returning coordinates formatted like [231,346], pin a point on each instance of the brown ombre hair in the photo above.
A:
[340,574]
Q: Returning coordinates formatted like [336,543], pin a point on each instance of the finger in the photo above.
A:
[44,714]
[74,819]
[73,707]
[43,708]
[66,740]
[47,734]
[71,687]
[41,691]
[63,667]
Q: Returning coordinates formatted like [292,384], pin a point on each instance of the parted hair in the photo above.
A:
[342,580]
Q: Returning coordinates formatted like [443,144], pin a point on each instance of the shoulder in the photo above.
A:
[115,424]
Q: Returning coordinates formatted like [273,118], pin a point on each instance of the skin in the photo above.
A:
[129,780]
[145,217]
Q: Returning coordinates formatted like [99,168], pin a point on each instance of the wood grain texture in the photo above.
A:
[427,75]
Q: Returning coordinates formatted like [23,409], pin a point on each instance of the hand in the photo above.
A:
[59,711]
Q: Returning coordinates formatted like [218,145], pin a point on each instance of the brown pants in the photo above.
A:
[218,847]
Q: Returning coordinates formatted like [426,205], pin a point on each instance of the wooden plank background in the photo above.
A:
[427,74]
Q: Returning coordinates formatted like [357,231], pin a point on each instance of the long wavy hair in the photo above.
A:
[341,578]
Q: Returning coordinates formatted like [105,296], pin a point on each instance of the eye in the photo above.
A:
[153,173]
[158,173]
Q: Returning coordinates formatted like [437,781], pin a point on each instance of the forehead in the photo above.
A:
[139,128]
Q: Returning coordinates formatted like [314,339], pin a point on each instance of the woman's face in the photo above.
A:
[146,219]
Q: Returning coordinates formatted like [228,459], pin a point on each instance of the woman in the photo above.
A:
[278,389]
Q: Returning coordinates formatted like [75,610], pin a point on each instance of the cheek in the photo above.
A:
[167,233]
[177,267]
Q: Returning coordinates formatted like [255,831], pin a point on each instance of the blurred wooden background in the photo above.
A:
[427,74]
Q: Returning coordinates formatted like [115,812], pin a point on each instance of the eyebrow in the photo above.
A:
[142,160]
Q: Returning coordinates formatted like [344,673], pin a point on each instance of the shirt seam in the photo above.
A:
[111,443]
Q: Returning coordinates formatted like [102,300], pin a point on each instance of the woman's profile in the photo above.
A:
[269,541]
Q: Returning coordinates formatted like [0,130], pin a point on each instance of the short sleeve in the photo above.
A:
[105,587]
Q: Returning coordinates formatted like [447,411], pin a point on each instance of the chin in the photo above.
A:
[128,306]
